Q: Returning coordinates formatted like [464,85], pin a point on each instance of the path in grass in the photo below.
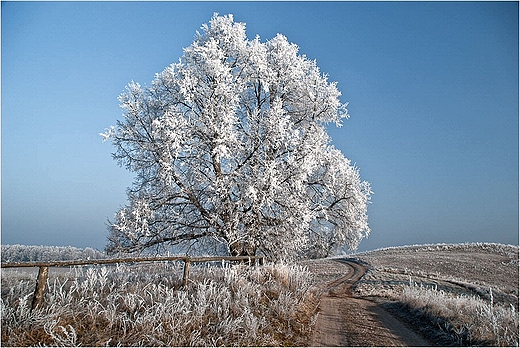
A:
[348,321]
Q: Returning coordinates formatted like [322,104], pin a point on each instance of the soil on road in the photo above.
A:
[348,321]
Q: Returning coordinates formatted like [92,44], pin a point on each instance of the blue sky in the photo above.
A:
[432,87]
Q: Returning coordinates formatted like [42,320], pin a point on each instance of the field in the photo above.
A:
[146,305]
[465,294]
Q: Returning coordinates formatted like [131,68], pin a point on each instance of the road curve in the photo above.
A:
[342,286]
[345,320]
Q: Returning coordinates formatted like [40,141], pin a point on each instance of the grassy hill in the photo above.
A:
[458,294]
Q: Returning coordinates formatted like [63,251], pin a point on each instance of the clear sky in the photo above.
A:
[432,87]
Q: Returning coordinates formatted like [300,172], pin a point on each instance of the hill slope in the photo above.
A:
[463,294]
[484,264]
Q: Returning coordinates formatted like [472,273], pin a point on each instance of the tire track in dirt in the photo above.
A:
[345,320]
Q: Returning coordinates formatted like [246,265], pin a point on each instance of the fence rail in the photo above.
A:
[43,272]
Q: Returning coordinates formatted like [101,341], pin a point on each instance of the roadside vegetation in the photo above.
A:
[145,305]
[464,294]
[469,320]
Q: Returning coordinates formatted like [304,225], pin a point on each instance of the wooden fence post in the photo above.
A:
[41,284]
[186,272]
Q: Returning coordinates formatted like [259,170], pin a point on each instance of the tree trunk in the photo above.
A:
[242,249]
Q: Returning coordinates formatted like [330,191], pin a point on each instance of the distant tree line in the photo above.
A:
[27,253]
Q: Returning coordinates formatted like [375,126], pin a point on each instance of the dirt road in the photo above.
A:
[348,321]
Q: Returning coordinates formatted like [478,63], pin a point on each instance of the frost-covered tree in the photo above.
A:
[229,148]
